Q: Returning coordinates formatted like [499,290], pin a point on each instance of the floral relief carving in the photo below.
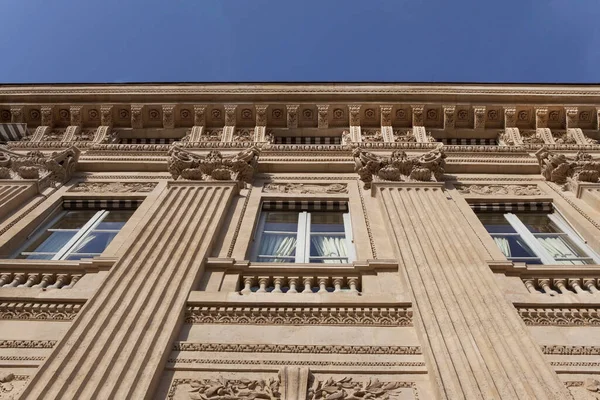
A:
[39,311]
[11,385]
[399,166]
[85,135]
[113,187]
[558,168]
[214,166]
[305,188]
[531,137]
[404,136]
[372,135]
[233,389]
[57,167]
[563,137]
[348,388]
[106,118]
[212,135]
[243,135]
[513,190]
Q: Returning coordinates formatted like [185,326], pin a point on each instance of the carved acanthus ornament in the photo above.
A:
[558,168]
[75,115]
[106,118]
[113,187]
[488,190]
[136,116]
[306,188]
[11,385]
[47,117]
[168,114]
[479,117]
[417,115]
[238,389]
[399,166]
[541,117]
[292,115]
[16,114]
[449,117]
[510,120]
[323,114]
[571,117]
[214,166]
[347,388]
[57,168]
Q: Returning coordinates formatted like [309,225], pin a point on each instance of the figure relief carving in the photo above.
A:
[57,167]
[558,168]
[212,135]
[513,190]
[372,136]
[531,137]
[346,137]
[306,188]
[399,166]
[348,388]
[55,135]
[238,389]
[214,166]
[510,137]
[402,136]
[113,187]
[563,137]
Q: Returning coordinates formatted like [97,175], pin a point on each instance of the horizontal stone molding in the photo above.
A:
[324,363]
[27,344]
[39,311]
[295,348]
[560,316]
[369,316]
[565,350]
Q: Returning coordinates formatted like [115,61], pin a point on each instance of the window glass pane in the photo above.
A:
[496,223]
[74,219]
[281,221]
[115,219]
[538,223]
[94,242]
[513,246]
[560,247]
[326,222]
[50,242]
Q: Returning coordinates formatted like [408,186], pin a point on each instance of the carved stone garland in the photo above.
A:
[558,168]
[399,166]
[213,166]
[57,167]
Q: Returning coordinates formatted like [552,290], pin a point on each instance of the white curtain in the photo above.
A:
[503,244]
[330,246]
[277,245]
[558,248]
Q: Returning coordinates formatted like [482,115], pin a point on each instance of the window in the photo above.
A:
[537,238]
[75,234]
[304,236]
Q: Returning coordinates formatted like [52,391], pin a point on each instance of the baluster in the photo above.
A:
[247,285]
[590,285]
[5,278]
[337,284]
[61,280]
[18,279]
[74,280]
[530,286]
[575,285]
[307,285]
[46,279]
[293,283]
[353,282]
[32,279]
[545,285]
[277,282]
[560,284]
[323,284]
[262,283]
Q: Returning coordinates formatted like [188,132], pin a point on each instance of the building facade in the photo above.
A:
[299,241]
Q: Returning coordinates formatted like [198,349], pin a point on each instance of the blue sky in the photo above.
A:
[306,40]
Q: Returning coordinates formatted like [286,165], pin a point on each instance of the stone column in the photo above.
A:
[118,344]
[476,344]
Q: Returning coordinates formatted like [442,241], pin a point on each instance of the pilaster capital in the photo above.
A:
[354,113]
[510,117]
[479,117]
[106,118]
[541,117]
[292,115]
[417,114]
[261,114]
[168,116]
[199,114]
[323,115]
[449,116]
[47,117]
[137,118]
[75,114]
[386,115]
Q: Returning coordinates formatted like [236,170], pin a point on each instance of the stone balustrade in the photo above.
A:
[560,286]
[36,280]
[300,284]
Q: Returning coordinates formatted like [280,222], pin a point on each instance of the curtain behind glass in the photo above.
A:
[503,244]
[329,246]
[277,245]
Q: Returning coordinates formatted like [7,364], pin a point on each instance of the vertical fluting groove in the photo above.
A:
[451,254]
[444,377]
[8,193]
[112,357]
[456,335]
[441,350]
[471,338]
[176,292]
[510,324]
[54,366]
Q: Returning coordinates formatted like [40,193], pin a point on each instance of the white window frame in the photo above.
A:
[539,250]
[303,236]
[67,249]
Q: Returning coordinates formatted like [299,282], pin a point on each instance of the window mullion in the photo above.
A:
[303,238]
[258,236]
[574,236]
[349,238]
[528,237]
[66,249]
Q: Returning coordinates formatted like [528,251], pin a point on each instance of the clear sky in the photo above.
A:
[300,40]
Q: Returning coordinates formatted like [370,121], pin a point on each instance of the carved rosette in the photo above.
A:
[57,168]
[213,166]
[558,168]
[399,166]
